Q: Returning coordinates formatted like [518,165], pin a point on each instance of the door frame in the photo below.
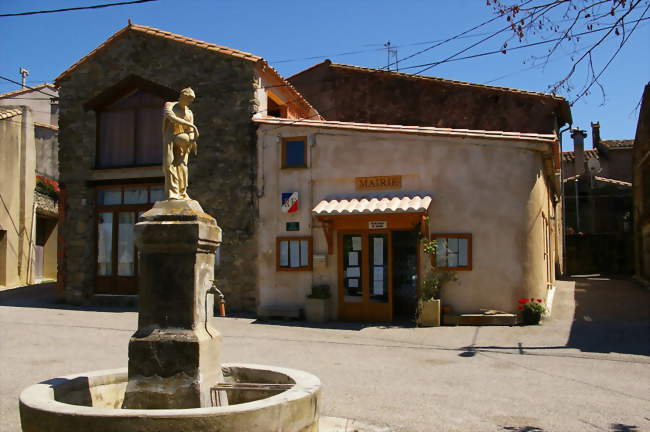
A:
[365,310]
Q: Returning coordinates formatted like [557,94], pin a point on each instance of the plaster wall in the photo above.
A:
[494,190]
[47,152]
[37,102]
[17,182]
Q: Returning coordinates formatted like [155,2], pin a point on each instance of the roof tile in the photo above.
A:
[391,204]
[417,130]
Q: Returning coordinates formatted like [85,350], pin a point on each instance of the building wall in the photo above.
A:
[39,104]
[641,190]
[352,94]
[17,182]
[47,151]
[494,190]
[221,177]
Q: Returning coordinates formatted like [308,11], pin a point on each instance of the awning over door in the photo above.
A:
[389,213]
[386,205]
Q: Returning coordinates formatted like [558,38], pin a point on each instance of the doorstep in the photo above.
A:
[278,313]
[114,300]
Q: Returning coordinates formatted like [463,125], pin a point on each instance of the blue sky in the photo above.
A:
[288,33]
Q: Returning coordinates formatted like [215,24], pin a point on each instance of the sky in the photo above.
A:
[293,35]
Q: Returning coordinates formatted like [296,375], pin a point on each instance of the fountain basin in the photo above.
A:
[92,402]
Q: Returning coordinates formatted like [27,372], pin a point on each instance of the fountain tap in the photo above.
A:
[222,299]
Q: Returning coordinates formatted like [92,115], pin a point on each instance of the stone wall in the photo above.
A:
[221,177]
[352,94]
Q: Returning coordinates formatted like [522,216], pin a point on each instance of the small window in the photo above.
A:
[454,251]
[294,152]
[293,253]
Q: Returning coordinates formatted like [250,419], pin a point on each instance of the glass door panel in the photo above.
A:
[125,244]
[352,275]
[105,244]
[378,263]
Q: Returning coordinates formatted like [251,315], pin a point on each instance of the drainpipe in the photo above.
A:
[579,163]
[563,201]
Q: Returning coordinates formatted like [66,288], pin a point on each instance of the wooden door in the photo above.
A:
[365,276]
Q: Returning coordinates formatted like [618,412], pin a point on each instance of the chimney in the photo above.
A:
[579,149]
[596,142]
[595,134]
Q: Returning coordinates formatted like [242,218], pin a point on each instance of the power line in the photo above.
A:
[449,60]
[31,88]
[76,8]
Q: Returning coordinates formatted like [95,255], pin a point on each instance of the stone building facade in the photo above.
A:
[356,94]
[144,62]
[641,182]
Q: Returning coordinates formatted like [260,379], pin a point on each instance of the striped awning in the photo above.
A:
[385,205]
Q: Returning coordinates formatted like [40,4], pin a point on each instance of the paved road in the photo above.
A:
[585,372]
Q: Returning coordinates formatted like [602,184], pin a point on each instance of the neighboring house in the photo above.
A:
[356,94]
[111,152]
[598,204]
[641,181]
[28,190]
[499,225]
[366,192]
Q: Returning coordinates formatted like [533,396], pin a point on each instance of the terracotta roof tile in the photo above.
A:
[26,90]
[416,130]
[5,114]
[618,144]
[613,181]
[164,34]
[391,204]
[570,156]
[47,125]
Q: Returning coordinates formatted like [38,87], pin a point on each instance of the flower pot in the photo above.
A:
[531,317]
[317,310]
[428,313]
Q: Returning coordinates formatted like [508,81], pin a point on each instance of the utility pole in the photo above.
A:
[24,72]
[392,51]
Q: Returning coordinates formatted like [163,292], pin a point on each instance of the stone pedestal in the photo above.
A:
[174,354]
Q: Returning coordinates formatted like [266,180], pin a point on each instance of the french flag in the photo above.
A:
[289,202]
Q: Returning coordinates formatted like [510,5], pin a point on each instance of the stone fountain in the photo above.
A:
[174,381]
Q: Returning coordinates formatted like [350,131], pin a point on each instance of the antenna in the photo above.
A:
[392,51]
[24,72]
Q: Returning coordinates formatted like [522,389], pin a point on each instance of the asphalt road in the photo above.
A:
[587,368]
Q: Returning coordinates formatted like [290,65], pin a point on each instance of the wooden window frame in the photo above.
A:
[115,209]
[284,152]
[468,267]
[310,258]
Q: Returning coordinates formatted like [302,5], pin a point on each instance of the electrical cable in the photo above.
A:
[76,8]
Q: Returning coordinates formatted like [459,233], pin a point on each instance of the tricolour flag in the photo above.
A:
[289,202]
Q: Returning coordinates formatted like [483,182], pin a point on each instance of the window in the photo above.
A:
[294,152]
[294,253]
[454,251]
[129,131]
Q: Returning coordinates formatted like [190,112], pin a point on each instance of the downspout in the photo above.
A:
[563,201]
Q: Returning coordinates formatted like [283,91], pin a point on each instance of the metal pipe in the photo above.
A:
[222,302]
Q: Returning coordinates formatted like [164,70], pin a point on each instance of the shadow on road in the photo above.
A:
[336,325]
[45,296]
[611,315]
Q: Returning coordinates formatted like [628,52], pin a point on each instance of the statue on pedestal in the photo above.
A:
[179,138]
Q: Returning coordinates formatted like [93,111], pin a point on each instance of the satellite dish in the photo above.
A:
[594,166]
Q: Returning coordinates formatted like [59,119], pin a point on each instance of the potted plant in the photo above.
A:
[317,304]
[531,310]
[428,310]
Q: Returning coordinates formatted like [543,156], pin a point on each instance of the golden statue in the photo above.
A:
[179,138]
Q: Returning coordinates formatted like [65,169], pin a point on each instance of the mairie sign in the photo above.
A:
[289,202]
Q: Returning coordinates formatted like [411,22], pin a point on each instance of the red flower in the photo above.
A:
[521,307]
[539,300]
[523,301]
